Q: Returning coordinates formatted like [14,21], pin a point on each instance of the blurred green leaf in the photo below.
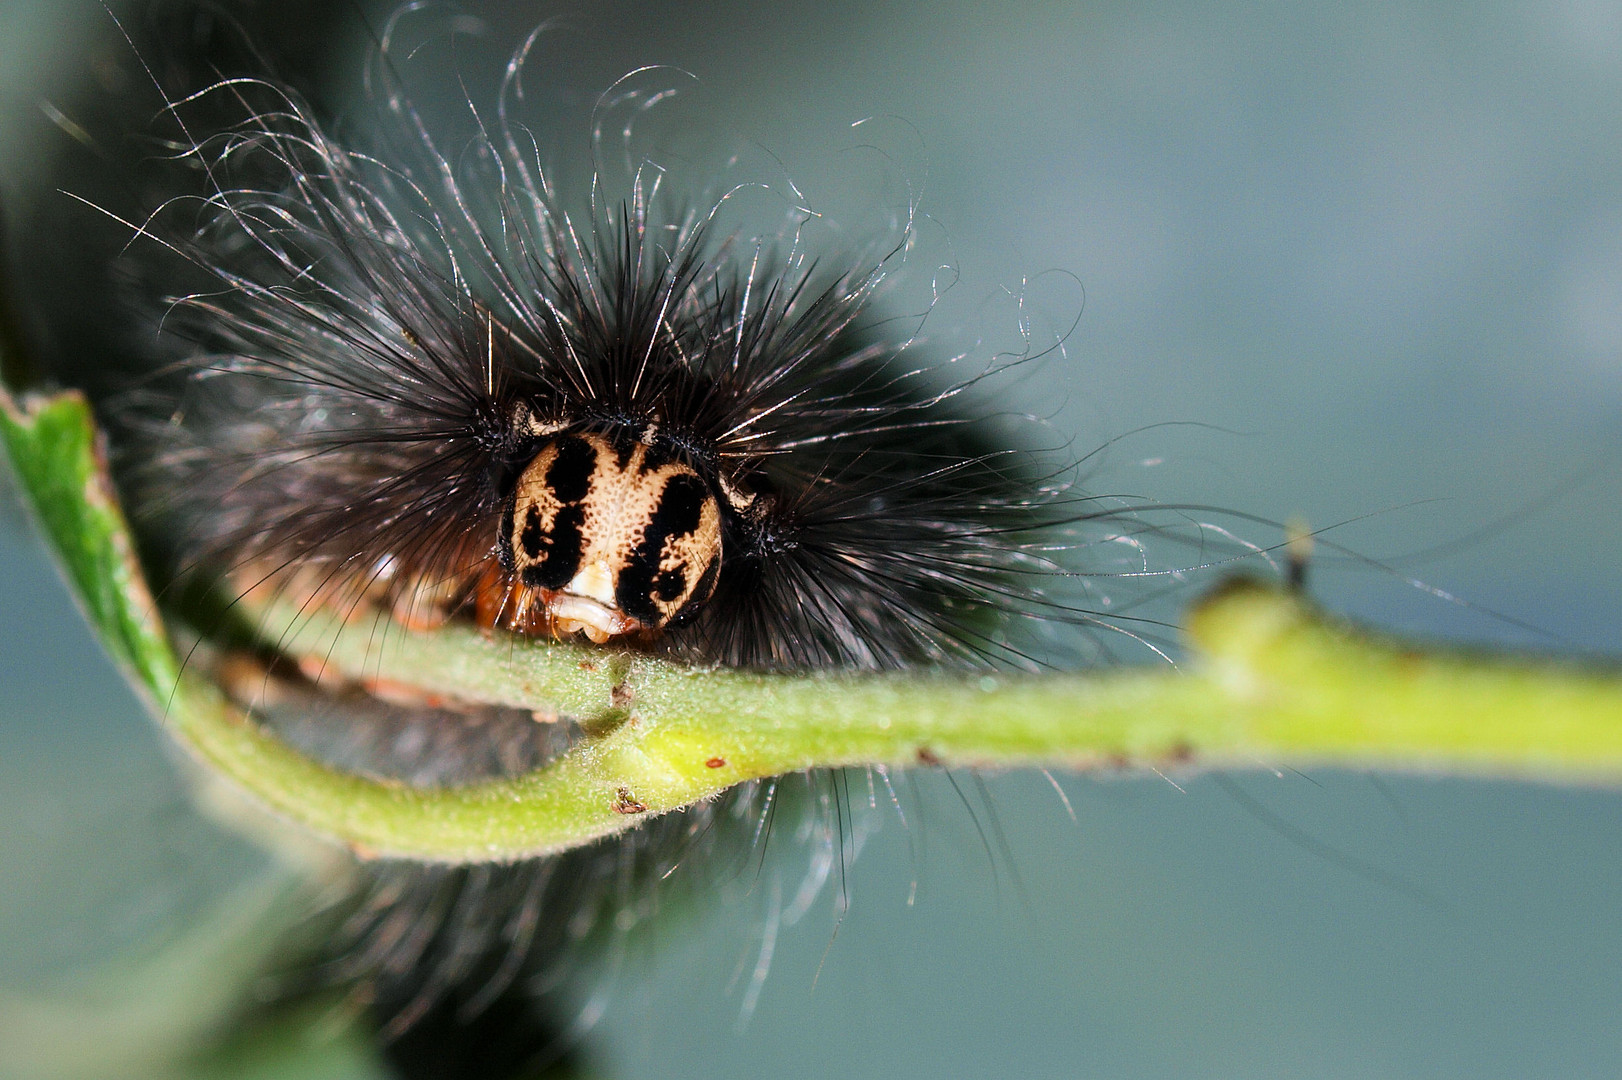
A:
[60,466]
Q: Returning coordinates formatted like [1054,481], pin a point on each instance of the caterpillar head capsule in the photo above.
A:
[607,535]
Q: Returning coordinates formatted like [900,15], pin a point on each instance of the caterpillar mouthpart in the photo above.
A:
[587,606]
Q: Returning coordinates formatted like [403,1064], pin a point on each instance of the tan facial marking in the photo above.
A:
[609,541]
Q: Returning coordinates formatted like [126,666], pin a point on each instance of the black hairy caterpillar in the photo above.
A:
[614,429]
[396,389]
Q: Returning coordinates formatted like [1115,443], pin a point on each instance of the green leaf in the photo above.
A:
[59,464]
[1273,680]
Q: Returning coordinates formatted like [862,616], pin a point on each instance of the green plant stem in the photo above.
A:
[1272,681]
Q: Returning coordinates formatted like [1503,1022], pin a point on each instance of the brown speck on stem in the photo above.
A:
[588,665]
[926,756]
[625,803]
[716,763]
[621,695]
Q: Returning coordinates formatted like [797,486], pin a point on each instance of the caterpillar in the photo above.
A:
[625,429]
[403,378]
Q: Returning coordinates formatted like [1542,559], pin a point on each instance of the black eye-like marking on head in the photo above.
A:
[544,536]
[668,586]
[559,549]
[532,540]
[571,472]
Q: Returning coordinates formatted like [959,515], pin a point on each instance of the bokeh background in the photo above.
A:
[1372,254]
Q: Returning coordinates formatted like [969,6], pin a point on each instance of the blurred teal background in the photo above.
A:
[1377,250]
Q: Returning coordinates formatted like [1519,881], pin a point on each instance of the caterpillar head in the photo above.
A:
[608,535]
